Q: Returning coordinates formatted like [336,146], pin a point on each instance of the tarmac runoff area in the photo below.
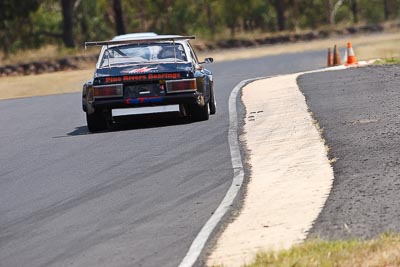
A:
[290,174]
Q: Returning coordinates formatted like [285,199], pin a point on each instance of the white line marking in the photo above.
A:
[238,175]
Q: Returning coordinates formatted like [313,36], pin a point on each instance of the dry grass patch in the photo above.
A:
[47,52]
[383,251]
[393,60]
[381,45]
[43,84]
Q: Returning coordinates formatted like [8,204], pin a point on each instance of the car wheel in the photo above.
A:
[96,121]
[199,113]
[213,103]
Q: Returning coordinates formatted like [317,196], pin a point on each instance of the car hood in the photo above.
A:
[133,69]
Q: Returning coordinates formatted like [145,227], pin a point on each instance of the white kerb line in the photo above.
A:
[238,176]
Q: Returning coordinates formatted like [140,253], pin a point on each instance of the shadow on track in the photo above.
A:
[148,121]
[81,130]
[136,122]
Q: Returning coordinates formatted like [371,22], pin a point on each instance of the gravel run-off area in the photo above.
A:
[358,110]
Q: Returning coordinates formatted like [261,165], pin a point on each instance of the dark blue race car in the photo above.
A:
[147,73]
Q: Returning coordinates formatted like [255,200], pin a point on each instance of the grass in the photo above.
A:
[383,251]
[43,84]
[366,47]
[393,60]
[47,52]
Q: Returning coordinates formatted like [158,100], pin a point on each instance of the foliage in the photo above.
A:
[37,22]
[14,22]
[93,21]
[392,60]
[382,251]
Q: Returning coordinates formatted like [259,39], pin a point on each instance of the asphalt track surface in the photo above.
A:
[134,196]
[358,110]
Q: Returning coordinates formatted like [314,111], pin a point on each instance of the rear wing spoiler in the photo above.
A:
[140,41]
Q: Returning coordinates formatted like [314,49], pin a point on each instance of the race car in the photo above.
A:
[147,73]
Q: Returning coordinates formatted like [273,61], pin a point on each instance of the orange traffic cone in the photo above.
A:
[344,60]
[330,58]
[336,57]
[351,57]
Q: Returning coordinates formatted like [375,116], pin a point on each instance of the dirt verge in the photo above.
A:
[290,173]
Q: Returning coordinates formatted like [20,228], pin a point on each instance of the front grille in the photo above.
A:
[143,90]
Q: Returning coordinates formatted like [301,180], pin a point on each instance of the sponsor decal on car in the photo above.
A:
[141,70]
[142,100]
[143,77]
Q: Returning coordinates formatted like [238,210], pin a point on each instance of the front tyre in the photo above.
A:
[96,121]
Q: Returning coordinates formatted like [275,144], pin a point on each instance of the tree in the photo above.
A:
[386,9]
[210,18]
[38,22]
[119,18]
[333,8]
[67,9]
[231,13]
[354,10]
[14,22]
[280,14]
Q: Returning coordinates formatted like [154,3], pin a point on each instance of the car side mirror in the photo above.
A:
[207,60]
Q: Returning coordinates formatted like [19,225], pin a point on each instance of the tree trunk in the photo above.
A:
[354,10]
[280,13]
[118,16]
[67,7]
[210,19]
[334,9]
[386,9]
[232,29]
[328,8]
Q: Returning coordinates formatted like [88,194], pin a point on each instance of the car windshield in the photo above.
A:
[143,53]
